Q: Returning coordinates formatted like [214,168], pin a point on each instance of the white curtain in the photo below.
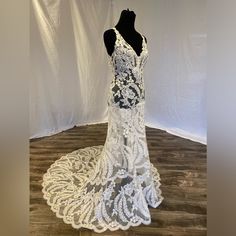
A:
[71,76]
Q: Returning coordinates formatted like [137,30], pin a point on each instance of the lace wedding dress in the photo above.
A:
[110,186]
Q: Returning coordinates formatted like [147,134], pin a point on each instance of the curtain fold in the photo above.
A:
[71,75]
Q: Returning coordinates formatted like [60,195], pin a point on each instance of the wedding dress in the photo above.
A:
[110,186]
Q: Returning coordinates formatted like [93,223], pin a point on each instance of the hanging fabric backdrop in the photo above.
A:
[71,75]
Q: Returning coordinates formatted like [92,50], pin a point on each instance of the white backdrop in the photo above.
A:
[71,75]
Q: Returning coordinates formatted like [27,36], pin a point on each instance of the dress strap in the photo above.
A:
[144,44]
[116,31]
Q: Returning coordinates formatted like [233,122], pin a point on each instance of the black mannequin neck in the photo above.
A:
[126,21]
[126,28]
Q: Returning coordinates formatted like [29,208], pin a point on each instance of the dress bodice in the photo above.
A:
[127,86]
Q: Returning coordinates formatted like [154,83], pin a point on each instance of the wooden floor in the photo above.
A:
[180,162]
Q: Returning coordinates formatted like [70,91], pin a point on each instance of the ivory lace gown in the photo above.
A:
[110,186]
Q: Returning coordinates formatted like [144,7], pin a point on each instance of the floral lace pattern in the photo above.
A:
[127,86]
[110,186]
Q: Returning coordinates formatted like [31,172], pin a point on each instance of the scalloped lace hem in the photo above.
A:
[105,228]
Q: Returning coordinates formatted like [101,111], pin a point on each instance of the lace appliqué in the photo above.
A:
[127,86]
[110,186]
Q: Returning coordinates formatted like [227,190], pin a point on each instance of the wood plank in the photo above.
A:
[180,162]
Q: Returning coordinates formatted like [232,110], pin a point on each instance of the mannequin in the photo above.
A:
[126,28]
